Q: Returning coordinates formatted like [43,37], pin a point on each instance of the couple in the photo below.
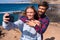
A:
[32,25]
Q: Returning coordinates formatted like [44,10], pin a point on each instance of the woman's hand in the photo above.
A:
[5,18]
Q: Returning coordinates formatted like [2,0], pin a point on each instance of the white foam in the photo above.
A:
[11,12]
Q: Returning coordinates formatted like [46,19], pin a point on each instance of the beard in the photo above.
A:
[41,13]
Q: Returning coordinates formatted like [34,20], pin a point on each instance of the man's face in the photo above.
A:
[41,10]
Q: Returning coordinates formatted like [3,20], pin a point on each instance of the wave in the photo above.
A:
[11,12]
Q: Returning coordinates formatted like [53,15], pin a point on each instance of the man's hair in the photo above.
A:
[45,4]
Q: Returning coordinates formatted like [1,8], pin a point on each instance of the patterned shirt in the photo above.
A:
[44,24]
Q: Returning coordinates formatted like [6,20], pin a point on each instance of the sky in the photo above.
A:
[13,1]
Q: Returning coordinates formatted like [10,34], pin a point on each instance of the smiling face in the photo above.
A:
[41,10]
[30,13]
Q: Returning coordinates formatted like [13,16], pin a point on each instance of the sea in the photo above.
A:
[13,8]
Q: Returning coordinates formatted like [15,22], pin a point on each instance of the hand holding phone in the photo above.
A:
[8,18]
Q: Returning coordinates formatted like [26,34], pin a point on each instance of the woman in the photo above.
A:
[28,32]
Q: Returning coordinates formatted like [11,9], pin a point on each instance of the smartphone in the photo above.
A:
[11,18]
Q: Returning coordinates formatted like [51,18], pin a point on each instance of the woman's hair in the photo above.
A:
[35,15]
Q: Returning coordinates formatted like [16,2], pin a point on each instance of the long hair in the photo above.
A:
[35,15]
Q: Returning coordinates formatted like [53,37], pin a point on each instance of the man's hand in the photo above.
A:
[38,22]
[31,23]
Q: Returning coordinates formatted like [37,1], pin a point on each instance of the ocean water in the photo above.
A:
[13,7]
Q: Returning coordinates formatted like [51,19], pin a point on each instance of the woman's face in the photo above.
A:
[30,13]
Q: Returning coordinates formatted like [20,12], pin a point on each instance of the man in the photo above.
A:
[42,8]
[43,19]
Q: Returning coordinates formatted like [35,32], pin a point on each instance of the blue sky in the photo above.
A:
[13,1]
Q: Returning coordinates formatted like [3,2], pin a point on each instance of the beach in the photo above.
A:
[53,30]
[52,33]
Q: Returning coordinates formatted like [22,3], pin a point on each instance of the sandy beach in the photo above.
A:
[52,33]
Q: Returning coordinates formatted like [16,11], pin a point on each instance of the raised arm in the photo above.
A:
[10,25]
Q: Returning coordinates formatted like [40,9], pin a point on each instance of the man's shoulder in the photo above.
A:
[47,19]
